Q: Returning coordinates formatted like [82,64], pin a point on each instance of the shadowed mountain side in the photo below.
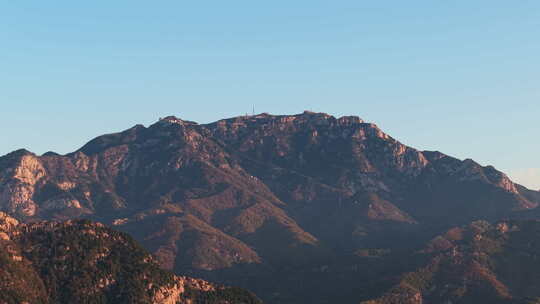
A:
[263,192]
[478,263]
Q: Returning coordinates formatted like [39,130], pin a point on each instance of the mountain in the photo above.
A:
[84,262]
[477,263]
[297,208]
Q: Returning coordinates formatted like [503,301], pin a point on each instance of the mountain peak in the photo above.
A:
[344,120]
[254,191]
[350,120]
[175,120]
[304,118]
[311,113]
[19,153]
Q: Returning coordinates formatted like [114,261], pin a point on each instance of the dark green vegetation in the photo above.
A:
[306,208]
[20,283]
[219,296]
[82,262]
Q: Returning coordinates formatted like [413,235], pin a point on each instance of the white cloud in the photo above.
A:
[528,177]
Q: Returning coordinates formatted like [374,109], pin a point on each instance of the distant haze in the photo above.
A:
[527,177]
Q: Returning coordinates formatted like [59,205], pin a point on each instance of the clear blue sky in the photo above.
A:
[459,76]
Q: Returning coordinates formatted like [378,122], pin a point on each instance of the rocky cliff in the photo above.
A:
[322,203]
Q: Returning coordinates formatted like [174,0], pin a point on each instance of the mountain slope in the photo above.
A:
[84,262]
[478,263]
[250,199]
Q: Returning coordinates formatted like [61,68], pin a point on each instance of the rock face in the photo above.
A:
[251,199]
[84,262]
[19,183]
[7,226]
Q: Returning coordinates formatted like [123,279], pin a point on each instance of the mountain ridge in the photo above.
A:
[253,195]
